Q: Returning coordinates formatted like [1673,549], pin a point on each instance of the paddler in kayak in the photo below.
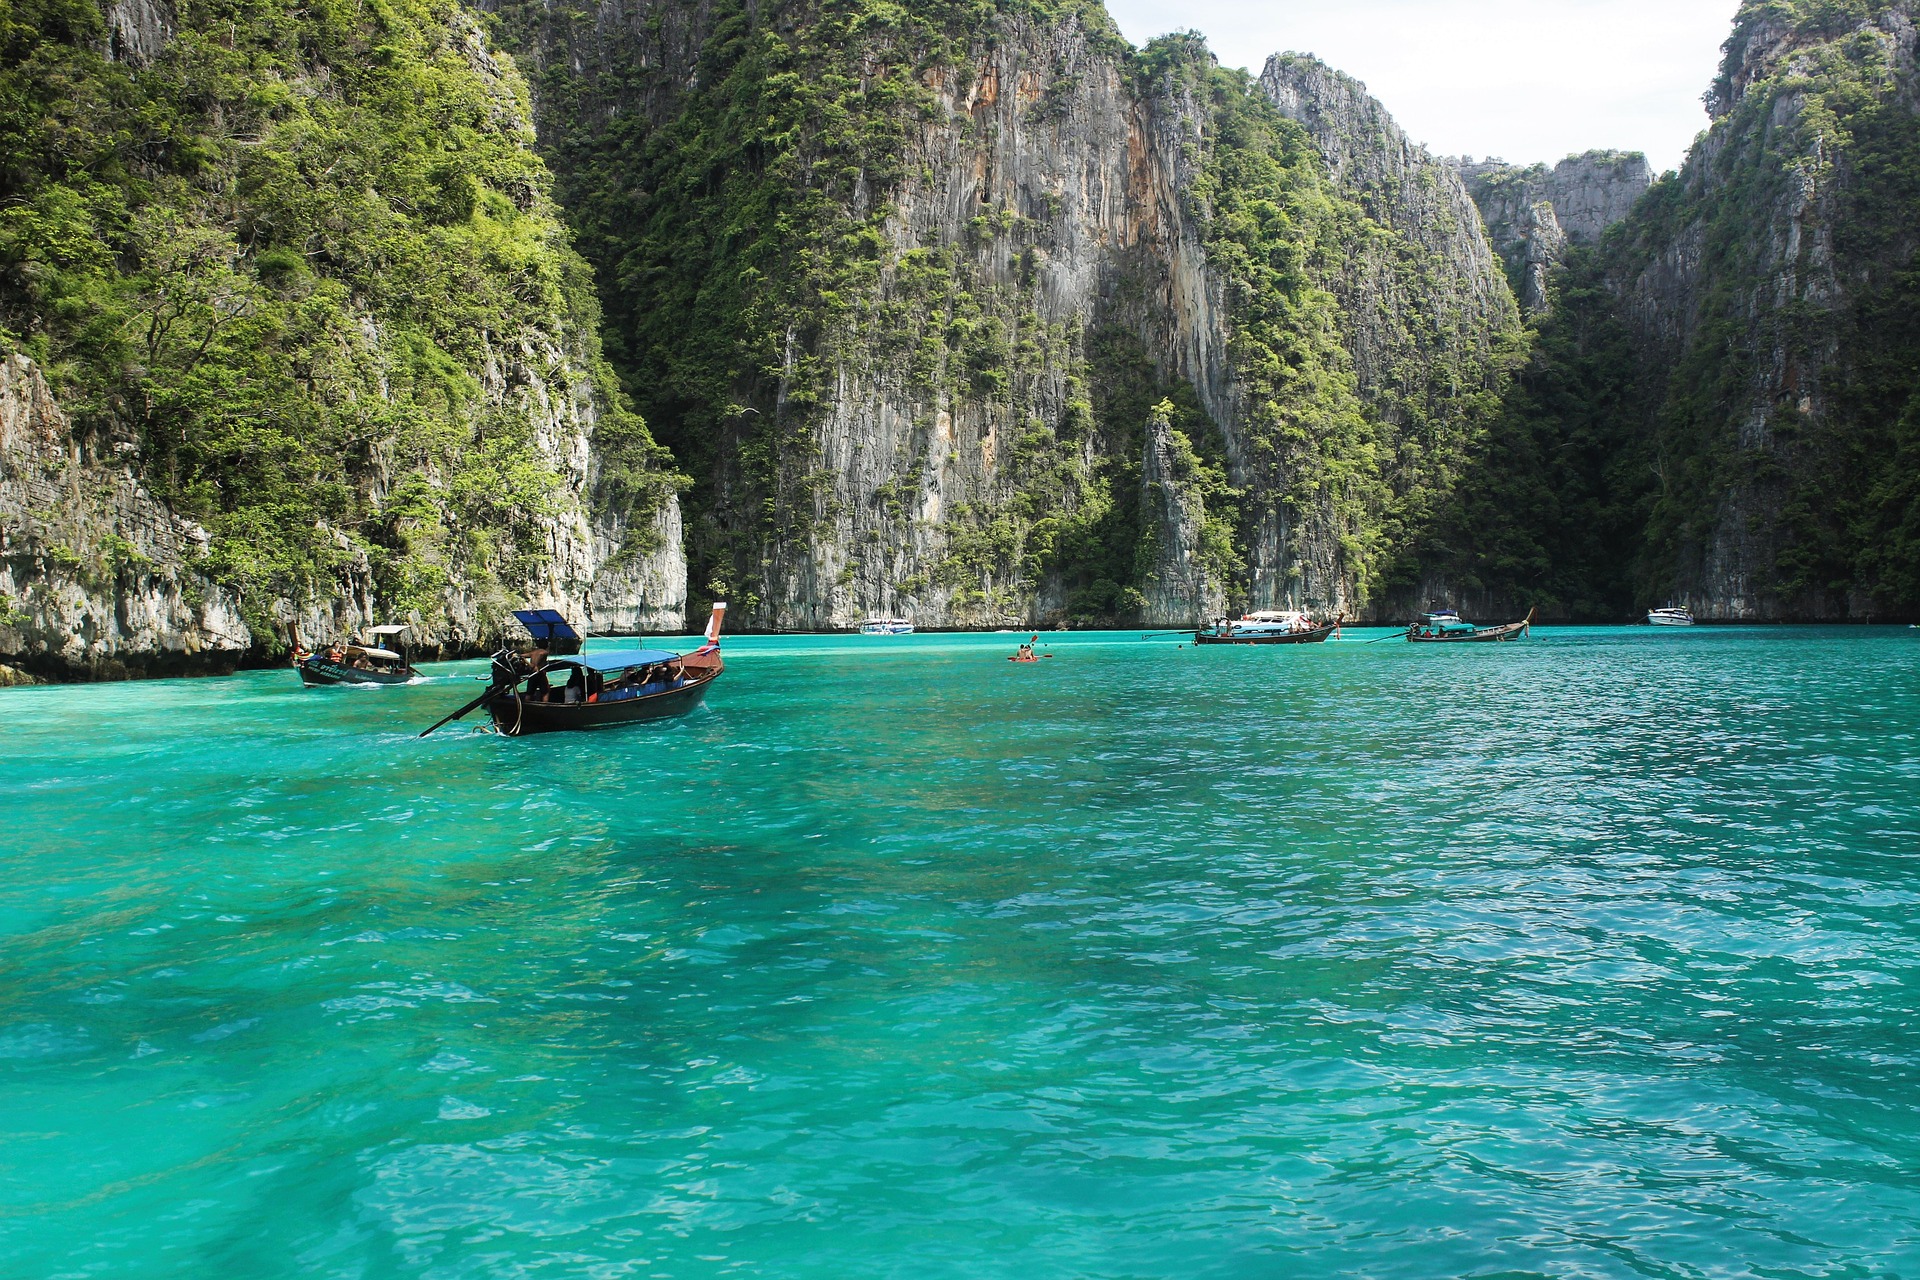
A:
[1026,653]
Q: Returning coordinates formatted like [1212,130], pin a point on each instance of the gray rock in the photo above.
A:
[138,31]
[1532,214]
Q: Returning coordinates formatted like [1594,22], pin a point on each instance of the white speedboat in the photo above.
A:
[1671,616]
[886,627]
[1268,626]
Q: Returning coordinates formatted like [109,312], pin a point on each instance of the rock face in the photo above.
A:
[1427,306]
[1532,214]
[1767,287]
[97,579]
[945,431]
[1180,585]
[375,407]
[138,30]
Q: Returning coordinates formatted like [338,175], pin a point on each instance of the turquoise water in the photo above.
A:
[1590,956]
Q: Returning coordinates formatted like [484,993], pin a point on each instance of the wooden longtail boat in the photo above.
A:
[1271,627]
[363,661]
[1443,626]
[542,693]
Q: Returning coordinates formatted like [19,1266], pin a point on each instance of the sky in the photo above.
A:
[1523,80]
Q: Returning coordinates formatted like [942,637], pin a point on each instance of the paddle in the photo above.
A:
[495,685]
[486,693]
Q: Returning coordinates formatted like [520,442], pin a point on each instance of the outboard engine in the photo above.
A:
[509,669]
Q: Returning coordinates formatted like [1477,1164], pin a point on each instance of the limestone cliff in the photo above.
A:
[310,358]
[1183,581]
[1533,213]
[96,576]
[899,289]
[1770,289]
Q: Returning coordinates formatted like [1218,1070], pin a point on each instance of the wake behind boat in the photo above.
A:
[544,693]
[1270,626]
[1446,626]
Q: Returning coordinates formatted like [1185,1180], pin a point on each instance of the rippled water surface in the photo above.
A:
[1590,956]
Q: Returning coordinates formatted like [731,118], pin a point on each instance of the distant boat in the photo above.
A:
[1671,616]
[1446,626]
[886,627]
[365,660]
[547,693]
[1269,626]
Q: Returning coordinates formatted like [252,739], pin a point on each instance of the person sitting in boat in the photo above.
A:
[1026,652]
[539,686]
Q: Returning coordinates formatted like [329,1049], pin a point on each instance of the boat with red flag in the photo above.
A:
[542,692]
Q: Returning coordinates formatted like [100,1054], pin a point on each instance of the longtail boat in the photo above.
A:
[1274,626]
[544,693]
[1445,626]
[365,660]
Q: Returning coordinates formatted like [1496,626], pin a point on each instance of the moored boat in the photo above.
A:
[547,693]
[886,627]
[1671,616]
[364,660]
[1269,626]
[1445,625]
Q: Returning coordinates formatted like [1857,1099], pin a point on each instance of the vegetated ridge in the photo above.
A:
[902,285]
[294,335]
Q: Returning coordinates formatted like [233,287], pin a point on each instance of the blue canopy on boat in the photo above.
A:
[614,659]
[546,624]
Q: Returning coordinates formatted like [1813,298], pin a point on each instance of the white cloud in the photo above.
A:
[1522,79]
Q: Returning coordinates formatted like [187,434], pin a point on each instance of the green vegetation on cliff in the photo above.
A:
[734,173]
[1724,404]
[298,258]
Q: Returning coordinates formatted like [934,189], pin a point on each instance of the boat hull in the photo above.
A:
[1655,620]
[320,673]
[517,717]
[1319,635]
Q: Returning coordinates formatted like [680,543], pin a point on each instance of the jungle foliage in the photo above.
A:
[1794,413]
[298,259]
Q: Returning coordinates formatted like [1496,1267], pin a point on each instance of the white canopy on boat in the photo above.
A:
[392,629]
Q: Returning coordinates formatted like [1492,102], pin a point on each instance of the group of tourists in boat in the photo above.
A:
[541,691]
[366,659]
[1269,626]
[1445,625]
[547,683]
